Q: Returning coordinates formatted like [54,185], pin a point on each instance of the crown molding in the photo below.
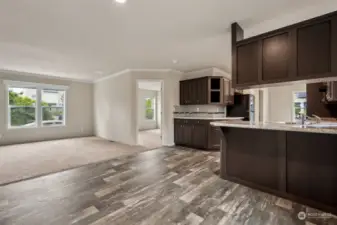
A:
[137,70]
[44,76]
[112,75]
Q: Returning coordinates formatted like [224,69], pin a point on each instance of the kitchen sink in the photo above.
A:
[323,125]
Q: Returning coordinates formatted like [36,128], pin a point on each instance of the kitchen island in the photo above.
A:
[291,161]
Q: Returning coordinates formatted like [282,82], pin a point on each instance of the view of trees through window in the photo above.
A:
[149,108]
[22,109]
[23,103]
[52,107]
[300,105]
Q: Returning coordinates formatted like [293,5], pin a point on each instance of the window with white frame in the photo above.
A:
[35,105]
[150,108]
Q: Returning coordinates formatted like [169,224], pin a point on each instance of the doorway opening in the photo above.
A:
[149,113]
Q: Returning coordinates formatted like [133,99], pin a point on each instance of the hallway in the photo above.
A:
[150,139]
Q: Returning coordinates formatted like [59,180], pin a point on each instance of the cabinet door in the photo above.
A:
[201,90]
[276,57]
[181,93]
[247,63]
[178,132]
[193,93]
[199,135]
[314,49]
[187,134]
[214,137]
[311,166]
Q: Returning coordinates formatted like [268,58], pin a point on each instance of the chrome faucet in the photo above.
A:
[314,117]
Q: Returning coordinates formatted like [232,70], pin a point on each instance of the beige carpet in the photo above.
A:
[150,138]
[18,162]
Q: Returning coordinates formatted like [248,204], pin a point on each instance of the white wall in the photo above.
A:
[112,108]
[116,111]
[145,124]
[79,112]
[279,102]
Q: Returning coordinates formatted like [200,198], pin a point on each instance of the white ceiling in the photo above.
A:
[90,39]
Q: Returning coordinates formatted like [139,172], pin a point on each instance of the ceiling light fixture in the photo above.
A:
[121,1]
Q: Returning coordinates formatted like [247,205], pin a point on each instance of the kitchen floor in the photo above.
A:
[162,186]
[150,139]
[22,161]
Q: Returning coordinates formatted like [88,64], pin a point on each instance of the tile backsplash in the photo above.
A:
[199,109]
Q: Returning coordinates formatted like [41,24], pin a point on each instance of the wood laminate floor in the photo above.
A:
[162,186]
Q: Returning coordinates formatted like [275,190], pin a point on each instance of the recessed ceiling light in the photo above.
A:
[121,1]
[175,61]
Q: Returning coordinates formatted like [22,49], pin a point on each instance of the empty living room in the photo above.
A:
[147,112]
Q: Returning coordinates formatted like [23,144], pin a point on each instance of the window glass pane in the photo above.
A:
[149,109]
[22,107]
[52,104]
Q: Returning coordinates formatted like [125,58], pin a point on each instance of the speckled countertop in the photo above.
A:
[277,126]
[207,118]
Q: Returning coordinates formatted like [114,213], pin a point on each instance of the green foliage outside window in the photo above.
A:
[26,113]
[149,112]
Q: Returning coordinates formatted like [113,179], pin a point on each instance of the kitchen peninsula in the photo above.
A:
[292,161]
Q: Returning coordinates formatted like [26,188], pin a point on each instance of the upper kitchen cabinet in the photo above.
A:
[303,51]
[314,49]
[247,63]
[276,59]
[206,90]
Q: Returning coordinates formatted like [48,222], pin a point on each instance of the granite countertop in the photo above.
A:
[197,118]
[207,118]
[276,126]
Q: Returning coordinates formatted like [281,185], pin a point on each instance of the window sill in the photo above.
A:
[36,127]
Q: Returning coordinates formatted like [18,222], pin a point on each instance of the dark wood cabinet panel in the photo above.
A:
[247,63]
[302,51]
[314,49]
[196,134]
[261,165]
[201,92]
[187,134]
[199,136]
[312,174]
[214,137]
[334,45]
[275,57]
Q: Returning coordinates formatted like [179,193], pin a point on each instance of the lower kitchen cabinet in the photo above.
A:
[196,134]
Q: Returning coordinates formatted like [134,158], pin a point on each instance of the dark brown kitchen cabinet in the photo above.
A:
[276,57]
[314,49]
[199,137]
[247,63]
[214,137]
[196,134]
[205,90]
[303,51]
[312,174]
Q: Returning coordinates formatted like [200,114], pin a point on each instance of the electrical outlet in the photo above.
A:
[82,129]
[1,135]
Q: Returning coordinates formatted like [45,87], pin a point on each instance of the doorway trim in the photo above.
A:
[162,85]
